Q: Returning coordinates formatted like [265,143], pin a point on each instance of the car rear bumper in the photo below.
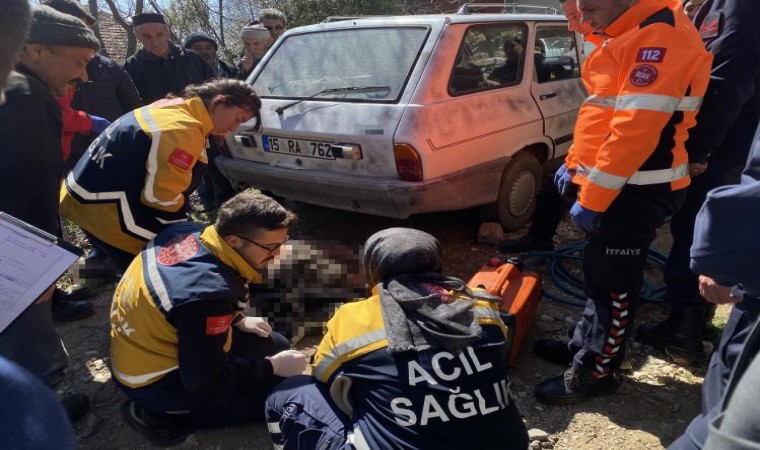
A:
[370,195]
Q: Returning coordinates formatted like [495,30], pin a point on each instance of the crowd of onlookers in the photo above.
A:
[118,151]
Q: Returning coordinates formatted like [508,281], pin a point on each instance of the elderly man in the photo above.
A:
[630,166]
[206,46]
[161,66]
[274,21]
[179,339]
[55,56]
[256,41]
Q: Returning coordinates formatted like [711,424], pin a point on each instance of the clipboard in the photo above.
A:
[30,261]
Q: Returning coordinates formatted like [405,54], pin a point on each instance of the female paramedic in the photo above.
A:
[420,364]
[136,177]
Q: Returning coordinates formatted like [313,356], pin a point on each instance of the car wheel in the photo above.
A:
[517,193]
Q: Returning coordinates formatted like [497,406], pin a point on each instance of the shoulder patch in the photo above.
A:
[643,75]
[651,54]
[177,250]
[711,26]
[218,324]
[181,159]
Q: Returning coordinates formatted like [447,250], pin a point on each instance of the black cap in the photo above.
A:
[141,19]
[200,36]
[72,8]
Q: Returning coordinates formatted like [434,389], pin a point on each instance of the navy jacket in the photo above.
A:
[729,115]
[726,235]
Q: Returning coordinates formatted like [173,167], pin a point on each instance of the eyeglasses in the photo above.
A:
[275,28]
[269,248]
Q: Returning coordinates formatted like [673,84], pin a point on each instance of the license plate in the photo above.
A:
[298,147]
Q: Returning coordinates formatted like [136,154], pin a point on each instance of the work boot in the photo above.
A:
[70,306]
[525,243]
[574,386]
[164,430]
[553,351]
[679,336]
[76,405]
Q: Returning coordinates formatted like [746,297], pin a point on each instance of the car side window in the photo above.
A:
[490,56]
[555,55]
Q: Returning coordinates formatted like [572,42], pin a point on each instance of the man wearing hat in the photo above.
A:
[161,66]
[256,42]
[55,56]
[206,46]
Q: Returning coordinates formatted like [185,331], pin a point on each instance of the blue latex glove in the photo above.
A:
[99,124]
[585,219]
[563,178]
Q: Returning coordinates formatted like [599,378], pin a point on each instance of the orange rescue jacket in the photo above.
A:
[645,86]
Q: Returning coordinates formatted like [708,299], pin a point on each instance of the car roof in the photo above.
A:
[428,19]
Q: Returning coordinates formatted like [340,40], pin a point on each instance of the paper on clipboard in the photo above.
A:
[30,261]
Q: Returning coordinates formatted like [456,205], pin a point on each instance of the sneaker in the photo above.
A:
[163,430]
[76,405]
[553,351]
[67,310]
[574,386]
[525,243]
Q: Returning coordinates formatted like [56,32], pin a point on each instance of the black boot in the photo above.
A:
[680,335]
[574,386]
[164,430]
[553,351]
[70,306]
[525,243]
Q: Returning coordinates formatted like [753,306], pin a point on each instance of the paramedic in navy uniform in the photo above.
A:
[418,365]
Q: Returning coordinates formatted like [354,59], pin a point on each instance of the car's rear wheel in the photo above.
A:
[517,194]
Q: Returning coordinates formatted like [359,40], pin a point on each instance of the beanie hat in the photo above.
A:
[72,8]
[200,36]
[50,27]
[141,19]
[255,32]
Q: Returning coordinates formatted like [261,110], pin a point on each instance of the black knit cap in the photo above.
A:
[72,8]
[200,36]
[50,27]
[142,19]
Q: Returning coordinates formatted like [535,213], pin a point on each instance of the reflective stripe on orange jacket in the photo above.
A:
[646,84]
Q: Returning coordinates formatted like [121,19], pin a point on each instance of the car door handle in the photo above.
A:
[547,96]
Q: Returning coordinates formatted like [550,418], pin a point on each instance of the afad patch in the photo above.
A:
[181,159]
[177,250]
[651,54]
[218,324]
[643,75]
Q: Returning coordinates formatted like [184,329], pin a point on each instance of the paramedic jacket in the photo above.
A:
[729,115]
[645,91]
[172,311]
[419,400]
[136,176]
[155,77]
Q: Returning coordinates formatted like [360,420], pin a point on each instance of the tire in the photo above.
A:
[517,194]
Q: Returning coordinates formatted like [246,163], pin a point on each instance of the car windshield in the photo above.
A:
[306,64]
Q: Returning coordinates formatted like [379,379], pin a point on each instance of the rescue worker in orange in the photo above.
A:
[629,163]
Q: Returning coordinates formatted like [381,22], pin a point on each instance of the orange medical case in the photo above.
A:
[519,290]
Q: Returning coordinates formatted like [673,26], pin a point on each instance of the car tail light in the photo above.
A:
[408,162]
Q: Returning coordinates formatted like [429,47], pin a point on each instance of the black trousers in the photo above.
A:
[683,284]
[551,207]
[613,270]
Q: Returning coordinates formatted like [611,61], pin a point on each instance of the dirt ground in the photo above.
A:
[655,403]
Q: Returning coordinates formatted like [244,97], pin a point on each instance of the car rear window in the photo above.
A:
[306,65]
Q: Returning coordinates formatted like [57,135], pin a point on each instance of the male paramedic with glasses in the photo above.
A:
[182,349]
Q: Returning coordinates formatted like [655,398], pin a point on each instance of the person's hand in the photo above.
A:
[246,62]
[697,169]
[716,293]
[99,124]
[585,219]
[256,325]
[563,178]
[288,363]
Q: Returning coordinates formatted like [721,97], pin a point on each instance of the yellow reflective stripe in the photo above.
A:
[273,427]
[152,161]
[650,102]
[141,379]
[346,347]
[155,278]
[641,177]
